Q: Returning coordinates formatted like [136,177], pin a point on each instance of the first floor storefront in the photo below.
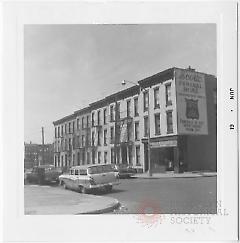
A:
[166,154]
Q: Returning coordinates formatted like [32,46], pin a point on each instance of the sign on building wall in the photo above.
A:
[191,102]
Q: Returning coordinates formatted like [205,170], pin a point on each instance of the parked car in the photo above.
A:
[42,174]
[84,178]
[124,170]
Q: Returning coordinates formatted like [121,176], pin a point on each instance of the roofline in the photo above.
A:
[64,119]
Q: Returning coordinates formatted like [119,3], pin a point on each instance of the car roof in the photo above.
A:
[77,167]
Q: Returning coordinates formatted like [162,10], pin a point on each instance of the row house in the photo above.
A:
[180,107]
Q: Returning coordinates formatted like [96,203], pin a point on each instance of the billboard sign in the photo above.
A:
[191,102]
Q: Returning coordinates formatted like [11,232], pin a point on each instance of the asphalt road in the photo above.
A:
[166,195]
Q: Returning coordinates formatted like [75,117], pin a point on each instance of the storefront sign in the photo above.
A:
[160,144]
[191,102]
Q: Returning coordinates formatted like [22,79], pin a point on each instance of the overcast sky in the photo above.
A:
[70,66]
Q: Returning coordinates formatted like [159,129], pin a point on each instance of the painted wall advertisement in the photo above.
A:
[191,102]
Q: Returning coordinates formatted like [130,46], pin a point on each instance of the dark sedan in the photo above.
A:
[124,170]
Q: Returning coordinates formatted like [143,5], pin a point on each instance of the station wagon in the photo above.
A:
[86,177]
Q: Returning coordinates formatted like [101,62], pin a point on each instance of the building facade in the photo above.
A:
[37,154]
[179,106]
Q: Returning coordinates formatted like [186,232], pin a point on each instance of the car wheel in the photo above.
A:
[64,185]
[108,188]
[83,189]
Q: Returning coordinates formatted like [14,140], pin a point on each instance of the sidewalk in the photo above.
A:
[175,175]
[48,200]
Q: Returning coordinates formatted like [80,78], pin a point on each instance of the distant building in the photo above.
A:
[181,105]
[37,154]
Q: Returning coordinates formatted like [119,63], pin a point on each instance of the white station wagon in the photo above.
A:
[83,178]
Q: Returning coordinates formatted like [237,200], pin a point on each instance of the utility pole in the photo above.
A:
[42,146]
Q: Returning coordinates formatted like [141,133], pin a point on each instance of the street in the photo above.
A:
[139,196]
[168,195]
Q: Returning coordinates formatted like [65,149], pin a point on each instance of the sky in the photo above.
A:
[66,67]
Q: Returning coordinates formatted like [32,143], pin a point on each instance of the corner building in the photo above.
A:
[179,104]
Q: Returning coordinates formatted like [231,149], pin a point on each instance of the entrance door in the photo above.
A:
[124,154]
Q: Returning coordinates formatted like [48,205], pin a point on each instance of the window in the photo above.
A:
[112,155]
[88,157]
[69,144]
[62,130]
[77,142]
[83,157]
[157,124]
[136,130]
[83,140]
[73,126]
[130,155]
[98,117]
[73,159]
[65,160]
[99,157]
[93,138]
[104,116]
[78,158]
[168,95]
[58,132]
[78,124]
[69,127]
[128,108]
[111,113]
[99,138]
[129,131]
[118,111]
[87,121]
[83,122]
[93,156]
[65,143]
[169,122]
[146,126]
[105,157]
[65,128]
[112,134]
[145,101]
[138,155]
[55,132]
[93,119]
[73,142]
[156,98]
[105,137]
[136,107]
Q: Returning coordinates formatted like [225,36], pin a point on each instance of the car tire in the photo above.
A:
[64,185]
[83,190]
[109,188]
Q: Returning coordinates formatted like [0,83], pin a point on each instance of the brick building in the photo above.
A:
[37,154]
[180,106]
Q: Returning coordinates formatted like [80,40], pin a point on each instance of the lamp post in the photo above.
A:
[149,147]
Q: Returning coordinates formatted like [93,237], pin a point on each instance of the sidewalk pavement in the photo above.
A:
[175,175]
[46,200]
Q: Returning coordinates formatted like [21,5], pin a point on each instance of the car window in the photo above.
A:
[76,172]
[71,172]
[100,169]
[107,168]
[83,172]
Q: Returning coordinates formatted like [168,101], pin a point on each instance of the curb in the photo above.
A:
[168,177]
[108,209]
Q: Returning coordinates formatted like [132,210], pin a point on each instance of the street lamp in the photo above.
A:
[149,147]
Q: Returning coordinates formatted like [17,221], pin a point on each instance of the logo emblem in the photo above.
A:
[192,109]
